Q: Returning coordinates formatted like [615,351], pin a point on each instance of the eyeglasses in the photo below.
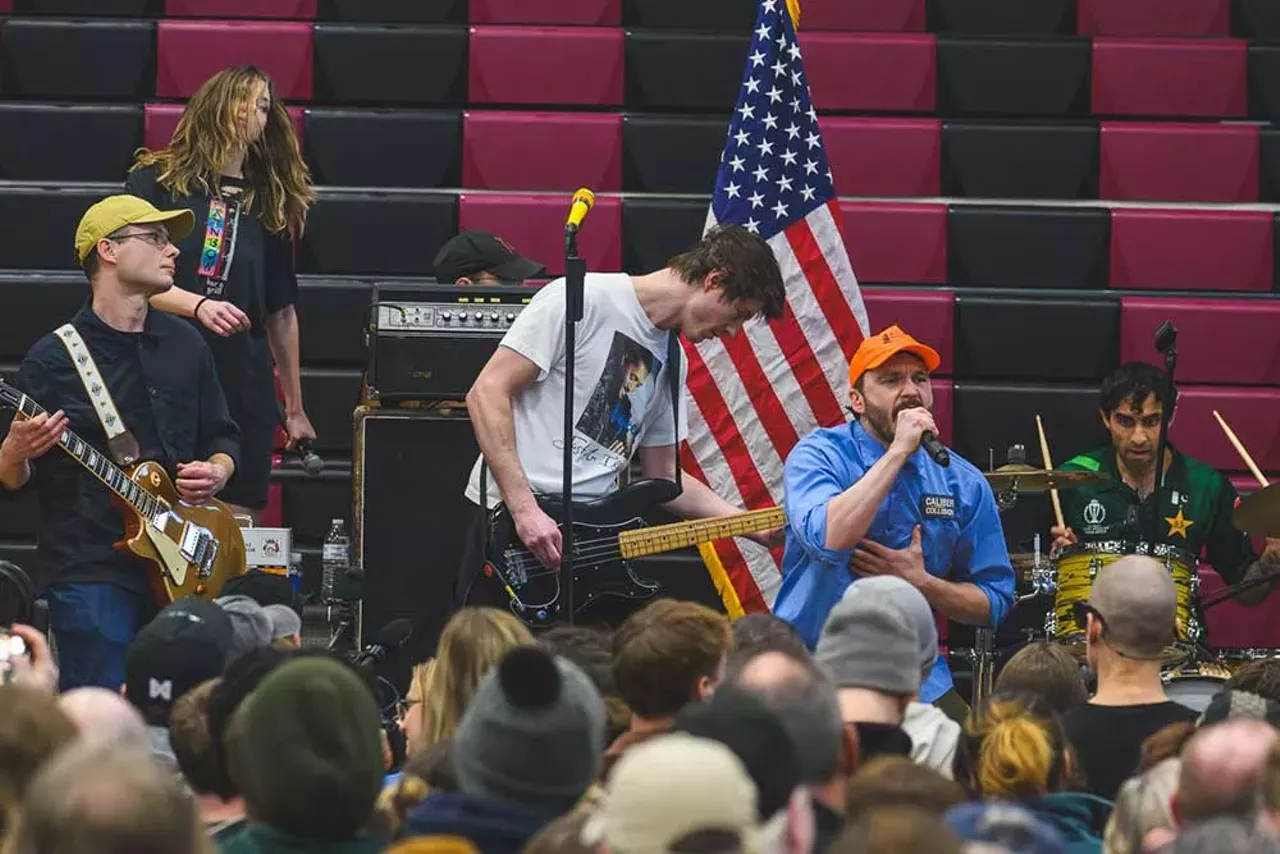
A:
[158,239]
[404,705]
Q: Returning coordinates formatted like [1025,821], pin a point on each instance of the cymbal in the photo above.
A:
[1259,513]
[1026,479]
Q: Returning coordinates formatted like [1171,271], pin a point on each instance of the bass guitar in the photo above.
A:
[192,549]
[609,533]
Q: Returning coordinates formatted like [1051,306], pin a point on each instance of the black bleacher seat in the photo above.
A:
[370,234]
[1258,19]
[95,8]
[671,154]
[654,230]
[1028,247]
[1002,17]
[1269,165]
[48,300]
[1073,339]
[1020,161]
[1013,77]
[39,224]
[330,396]
[1264,81]
[714,16]
[384,148]
[332,315]
[395,11]
[78,60]
[684,71]
[390,65]
[61,142]
[989,417]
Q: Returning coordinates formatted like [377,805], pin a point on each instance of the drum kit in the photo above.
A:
[1193,672]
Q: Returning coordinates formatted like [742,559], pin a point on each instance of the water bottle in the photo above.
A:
[336,557]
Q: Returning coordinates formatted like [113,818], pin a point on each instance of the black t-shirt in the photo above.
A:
[1107,739]
[231,256]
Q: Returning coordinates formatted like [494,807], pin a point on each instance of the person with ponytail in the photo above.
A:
[1013,748]
[234,162]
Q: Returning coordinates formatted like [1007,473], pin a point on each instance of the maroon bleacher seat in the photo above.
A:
[896,242]
[1232,626]
[159,121]
[1253,414]
[591,13]
[541,151]
[1247,483]
[864,16]
[6,5]
[527,65]
[1192,249]
[1170,77]
[874,72]
[288,10]
[1179,162]
[943,395]
[1231,341]
[928,315]
[1154,17]
[190,52]
[883,157]
[535,226]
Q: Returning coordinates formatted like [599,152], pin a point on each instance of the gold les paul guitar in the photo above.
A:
[192,550]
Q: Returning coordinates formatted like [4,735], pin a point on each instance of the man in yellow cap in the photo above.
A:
[865,498]
[160,386]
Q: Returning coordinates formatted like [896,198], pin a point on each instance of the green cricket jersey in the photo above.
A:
[1194,516]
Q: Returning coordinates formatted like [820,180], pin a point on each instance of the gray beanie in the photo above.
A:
[533,734]
[879,636]
[250,624]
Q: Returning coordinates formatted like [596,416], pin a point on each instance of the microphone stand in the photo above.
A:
[1166,341]
[575,272]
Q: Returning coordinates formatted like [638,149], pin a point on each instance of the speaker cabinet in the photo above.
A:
[409,469]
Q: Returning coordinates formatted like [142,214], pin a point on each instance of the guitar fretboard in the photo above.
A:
[678,535]
[89,457]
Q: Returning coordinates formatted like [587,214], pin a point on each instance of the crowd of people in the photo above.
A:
[678,731]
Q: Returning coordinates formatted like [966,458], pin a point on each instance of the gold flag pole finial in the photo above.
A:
[793,6]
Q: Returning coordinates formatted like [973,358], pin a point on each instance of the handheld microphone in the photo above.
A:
[390,638]
[583,201]
[935,448]
[312,464]
[1166,336]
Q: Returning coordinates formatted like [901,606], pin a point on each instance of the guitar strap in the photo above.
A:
[673,379]
[121,443]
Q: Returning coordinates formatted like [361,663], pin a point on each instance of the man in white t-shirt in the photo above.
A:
[622,398]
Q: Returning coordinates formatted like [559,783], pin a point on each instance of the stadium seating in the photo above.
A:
[383,66]
[595,13]
[507,150]
[882,157]
[671,154]
[871,72]
[683,71]
[188,52]
[288,10]
[1220,340]
[1013,77]
[1185,18]
[65,142]
[896,243]
[535,224]
[384,147]
[101,60]
[509,65]
[160,120]
[929,314]
[1252,413]
[1174,162]
[1014,247]
[1002,17]
[992,332]
[1019,161]
[869,16]
[1170,77]
[1194,250]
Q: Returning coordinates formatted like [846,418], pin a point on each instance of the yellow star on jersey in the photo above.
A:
[1178,524]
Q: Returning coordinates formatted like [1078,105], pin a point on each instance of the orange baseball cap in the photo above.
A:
[877,349]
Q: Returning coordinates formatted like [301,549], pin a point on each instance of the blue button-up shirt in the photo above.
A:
[961,535]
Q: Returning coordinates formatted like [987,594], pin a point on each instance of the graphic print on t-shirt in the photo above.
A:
[611,418]
[219,248]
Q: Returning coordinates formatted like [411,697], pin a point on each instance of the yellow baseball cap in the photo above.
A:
[115,212]
[877,349]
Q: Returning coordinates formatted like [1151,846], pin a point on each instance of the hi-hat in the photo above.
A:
[1259,513]
[1017,478]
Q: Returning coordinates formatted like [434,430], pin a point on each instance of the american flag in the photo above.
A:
[756,394]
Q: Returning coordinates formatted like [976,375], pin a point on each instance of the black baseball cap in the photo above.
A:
[186,644]
[473,251]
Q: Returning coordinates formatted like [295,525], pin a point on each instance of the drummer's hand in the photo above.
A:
[1255,596]
[1063,536]
[871,558]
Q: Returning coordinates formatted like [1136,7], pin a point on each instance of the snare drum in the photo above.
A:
[1076,567]
[1193,685]
[1234,658]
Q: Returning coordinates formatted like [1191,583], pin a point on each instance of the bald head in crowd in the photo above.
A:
[104,717]
[1138,602]
[1222,770]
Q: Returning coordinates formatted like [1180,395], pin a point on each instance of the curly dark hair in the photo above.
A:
[750,270]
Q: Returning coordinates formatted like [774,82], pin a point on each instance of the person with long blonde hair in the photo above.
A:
[1013,748]
[234,162]
[472,643]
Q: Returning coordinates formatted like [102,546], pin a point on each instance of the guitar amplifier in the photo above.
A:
[429,342]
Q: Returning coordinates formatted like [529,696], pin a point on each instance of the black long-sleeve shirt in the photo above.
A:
[165,386]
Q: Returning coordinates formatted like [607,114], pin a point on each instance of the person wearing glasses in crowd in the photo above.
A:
[162,382]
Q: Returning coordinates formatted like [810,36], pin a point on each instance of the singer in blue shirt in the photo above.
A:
[866,498]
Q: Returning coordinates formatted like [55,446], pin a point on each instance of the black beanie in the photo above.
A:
[305,750]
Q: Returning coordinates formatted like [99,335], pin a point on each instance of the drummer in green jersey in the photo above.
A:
[1195,506]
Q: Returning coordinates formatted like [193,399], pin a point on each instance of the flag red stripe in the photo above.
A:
[795,347]
[826,288]
[715,412]
[731,558]
[769,410]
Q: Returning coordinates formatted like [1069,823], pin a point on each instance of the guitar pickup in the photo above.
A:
[197,547]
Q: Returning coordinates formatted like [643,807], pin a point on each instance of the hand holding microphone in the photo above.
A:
[312,464]
[915,427]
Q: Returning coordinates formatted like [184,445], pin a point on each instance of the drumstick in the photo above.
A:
[1048,464]
[1244,455]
